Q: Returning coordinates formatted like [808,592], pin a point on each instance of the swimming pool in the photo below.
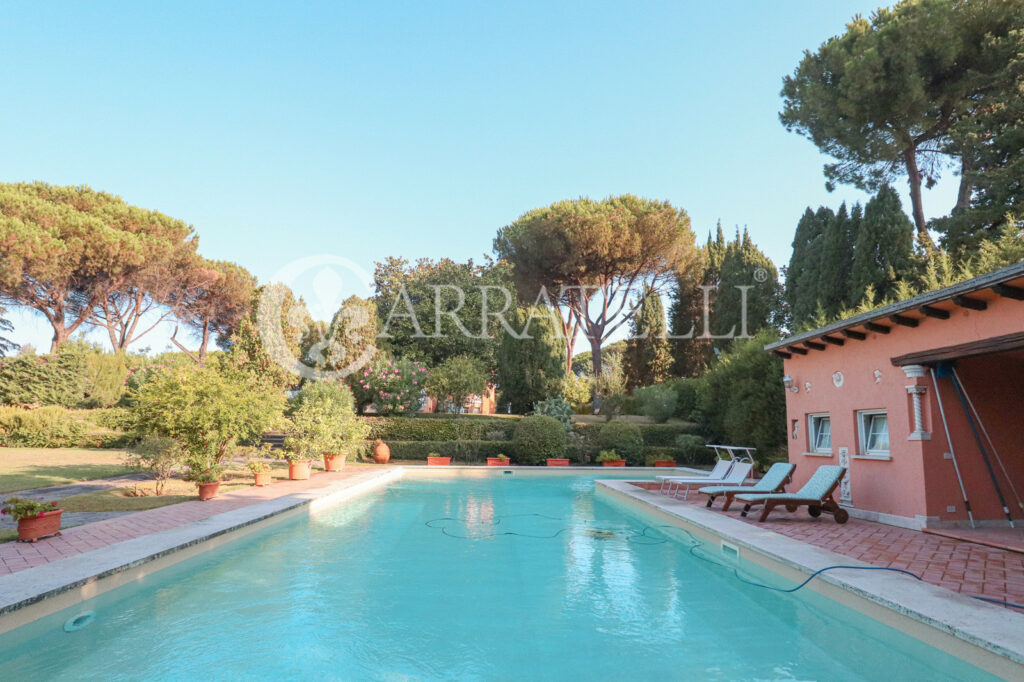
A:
[496,577]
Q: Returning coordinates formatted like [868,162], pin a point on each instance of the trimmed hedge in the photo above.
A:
[625,439]
[58,427]
[659,435]
[462,452]
[538,438]
[681,456]
[452,427]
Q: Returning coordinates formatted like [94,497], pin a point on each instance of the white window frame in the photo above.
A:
[812,434]
[863,420]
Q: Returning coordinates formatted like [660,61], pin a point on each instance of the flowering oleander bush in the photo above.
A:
[19,508]
[394,386]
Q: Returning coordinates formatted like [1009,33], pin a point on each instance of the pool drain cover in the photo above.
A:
[599,534]
[79,621]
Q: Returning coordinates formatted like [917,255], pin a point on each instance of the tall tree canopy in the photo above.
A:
[690,347]
[590,257]
[884,250]
[647,359]
[434,310]
[214,303]
[269,338]
[531,362]
[888,96]
[65,250]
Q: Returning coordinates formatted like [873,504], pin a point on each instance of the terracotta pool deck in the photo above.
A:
[18,556]
[966,567]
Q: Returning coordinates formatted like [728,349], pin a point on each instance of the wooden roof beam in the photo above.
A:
[834,340]
[782,354]
[932,311]
[875,327]
[797,349]
[970,303]
[903,320]
[855,335]
[1009,291]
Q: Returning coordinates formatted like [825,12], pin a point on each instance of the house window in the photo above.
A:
[874,433]
[819,428]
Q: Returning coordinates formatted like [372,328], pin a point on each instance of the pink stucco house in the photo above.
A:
[870,393]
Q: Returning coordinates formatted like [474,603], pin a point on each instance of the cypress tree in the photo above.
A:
[836,259]
[686,319]
[803,276]
[883,251]
[647,359]
[531,368]
[744,265]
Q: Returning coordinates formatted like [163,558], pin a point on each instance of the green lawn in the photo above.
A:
[25,468]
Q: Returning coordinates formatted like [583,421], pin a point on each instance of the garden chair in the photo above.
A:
[816,495]
[774,481]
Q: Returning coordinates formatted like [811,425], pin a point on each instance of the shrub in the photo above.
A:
[741,398]
[608,456]
[686,396]
[46,427]
[538,438]
[207,411]
[693,450]
[324,421]
[104,376]
[688,457]
[656,402]
[577,391]
[393,386]
[557,407]
[55,379]
[625,439]
[19,508]
[158,455]
[617,404]
[457,378]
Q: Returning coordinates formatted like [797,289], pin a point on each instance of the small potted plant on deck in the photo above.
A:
[35,519]
[500,461]
[610,458]
[434,459]
[260,469]
[206,475]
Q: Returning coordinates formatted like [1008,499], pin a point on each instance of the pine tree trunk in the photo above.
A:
[914,177]
[595,358]
[963,195]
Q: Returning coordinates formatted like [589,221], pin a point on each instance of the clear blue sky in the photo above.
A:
[412,129]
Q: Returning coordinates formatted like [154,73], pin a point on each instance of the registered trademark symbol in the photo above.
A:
[761,275]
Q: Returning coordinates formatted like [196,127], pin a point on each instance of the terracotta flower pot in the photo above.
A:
[208,491]
[439,461]
[299,470]
[381,452]
[614,463]
[664,463]
[35,527]
[497,462]
[334,462]
[262,478]
[557,462]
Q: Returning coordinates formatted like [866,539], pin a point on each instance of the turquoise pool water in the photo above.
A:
[509,577]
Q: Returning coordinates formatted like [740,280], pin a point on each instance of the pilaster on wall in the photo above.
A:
[916,390]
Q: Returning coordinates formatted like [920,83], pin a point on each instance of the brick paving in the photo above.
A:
[18,556]
[966,567]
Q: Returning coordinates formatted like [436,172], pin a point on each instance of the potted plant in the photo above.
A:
[35,519]
[334,462]
[610,458]
[500,461]
[558,462]
[260,469]
[664,462]
[434,459]
[381,452]
[206,475]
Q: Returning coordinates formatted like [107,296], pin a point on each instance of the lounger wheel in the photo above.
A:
[814,510]
[746,508]
[791,507]
[841,515]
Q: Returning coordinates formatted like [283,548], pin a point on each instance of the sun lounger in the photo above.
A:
[774,481]
[722,467]
[736,475]
[816,495]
